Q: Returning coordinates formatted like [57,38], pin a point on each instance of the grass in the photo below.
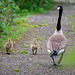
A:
[68,60]
[13,32]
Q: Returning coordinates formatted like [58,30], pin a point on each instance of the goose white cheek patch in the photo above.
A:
[58,8]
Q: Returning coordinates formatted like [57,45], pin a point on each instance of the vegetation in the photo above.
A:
[8,11]
[13,15]
[23,52]
[17,70]
[68,60]
[35,5]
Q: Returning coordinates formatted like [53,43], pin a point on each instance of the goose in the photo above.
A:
[34,46]
[8,45]
[56,44]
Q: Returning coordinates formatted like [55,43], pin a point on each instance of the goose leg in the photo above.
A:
[36,51]
[7,51]
[54,62]
[33,52]
[61,58]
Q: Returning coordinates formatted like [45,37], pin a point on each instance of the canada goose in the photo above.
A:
[57,42]
[8,45]
[34,46]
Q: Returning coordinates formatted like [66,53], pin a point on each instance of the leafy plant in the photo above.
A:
[24,45]
[17,70]
[8,11]
[18,51]
[23,52]
[11,51]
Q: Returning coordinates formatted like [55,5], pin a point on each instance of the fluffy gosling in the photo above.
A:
[8,45]
[34,46]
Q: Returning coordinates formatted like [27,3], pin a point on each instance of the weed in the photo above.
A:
[17,70]
[30,69]
[24,45]
[32,26]
[11,51]
[59,68]
[23,52]
[18,52]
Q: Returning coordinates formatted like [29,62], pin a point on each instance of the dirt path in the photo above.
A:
[40,64]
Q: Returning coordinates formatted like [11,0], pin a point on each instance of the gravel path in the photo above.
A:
[40,64]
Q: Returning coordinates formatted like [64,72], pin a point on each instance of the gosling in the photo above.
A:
[34,46]
[8,45]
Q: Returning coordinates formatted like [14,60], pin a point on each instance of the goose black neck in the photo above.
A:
[59,20]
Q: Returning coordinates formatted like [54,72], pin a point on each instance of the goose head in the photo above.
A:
[59,7]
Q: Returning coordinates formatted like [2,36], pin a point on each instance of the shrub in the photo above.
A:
[34,5]
[7,13]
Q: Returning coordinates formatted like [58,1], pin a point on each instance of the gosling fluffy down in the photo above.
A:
[34,46]
[8,45]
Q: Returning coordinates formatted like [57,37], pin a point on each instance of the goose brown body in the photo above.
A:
[56,42]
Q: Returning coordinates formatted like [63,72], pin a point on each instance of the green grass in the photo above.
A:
[14,31]
[68,60]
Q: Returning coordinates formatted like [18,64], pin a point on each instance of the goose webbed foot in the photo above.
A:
[36,51]
[54,62]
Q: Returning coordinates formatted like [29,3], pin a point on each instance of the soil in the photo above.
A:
[40,64]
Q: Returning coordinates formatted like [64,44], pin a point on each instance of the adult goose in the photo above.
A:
[57,42]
